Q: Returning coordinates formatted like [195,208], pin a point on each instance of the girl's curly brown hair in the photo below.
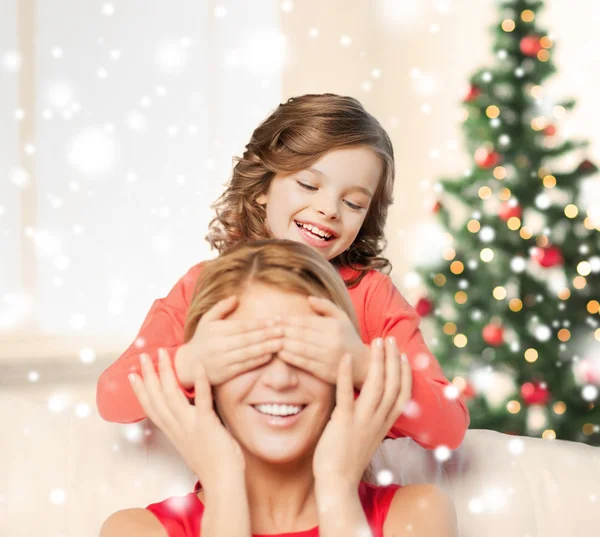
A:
[295,136]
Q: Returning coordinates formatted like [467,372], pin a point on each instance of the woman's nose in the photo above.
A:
[279,375]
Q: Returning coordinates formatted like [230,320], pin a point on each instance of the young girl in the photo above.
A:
[279,451]
[320,171]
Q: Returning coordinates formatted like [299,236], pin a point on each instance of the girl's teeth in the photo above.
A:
[316,231]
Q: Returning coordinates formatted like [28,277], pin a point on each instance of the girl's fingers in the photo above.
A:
[237,357]
[221,309]
[242,366]
[302,347]
[203,394]
[392,378]
[344,393]
[303,334]
[231,327]
[316,368]
[372,390]
[241,341]
[324,306]
[174,397]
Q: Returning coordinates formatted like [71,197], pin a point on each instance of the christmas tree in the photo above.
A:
[514,302]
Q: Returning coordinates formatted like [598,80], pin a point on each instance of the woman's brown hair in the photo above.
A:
[295,136]
[286,265]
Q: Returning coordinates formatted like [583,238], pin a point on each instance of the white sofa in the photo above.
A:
[63,475]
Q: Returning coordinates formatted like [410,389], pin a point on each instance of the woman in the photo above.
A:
[278,450]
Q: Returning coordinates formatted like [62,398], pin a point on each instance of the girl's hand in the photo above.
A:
[227,348]
[196,431]
[357,427]
[317,344]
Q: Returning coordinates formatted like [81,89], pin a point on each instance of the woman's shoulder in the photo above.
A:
[426,508]
[180,515]
[133,522]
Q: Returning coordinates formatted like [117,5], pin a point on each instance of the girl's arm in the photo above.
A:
[163,327]
[435,419]
[421,511]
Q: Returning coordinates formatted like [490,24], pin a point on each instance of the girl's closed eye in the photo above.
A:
[313,188]
[307,187]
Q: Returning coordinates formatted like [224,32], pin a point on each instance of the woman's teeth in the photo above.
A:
[315,231]
[279,410]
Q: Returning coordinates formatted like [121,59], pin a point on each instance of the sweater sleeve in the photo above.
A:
[431,419]
[162,328]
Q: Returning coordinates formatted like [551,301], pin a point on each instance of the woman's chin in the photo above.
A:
[281,451]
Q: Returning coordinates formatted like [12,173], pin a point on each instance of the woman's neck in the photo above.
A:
[281,498]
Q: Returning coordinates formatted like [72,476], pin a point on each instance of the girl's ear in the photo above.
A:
[262,199]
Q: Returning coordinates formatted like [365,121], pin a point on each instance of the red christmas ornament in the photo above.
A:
[535,393]
[472,94]
[424,307]
[508,210]
[493,334]
[550,130]
[547,256]
[486,158]
[587,165]
[530,45]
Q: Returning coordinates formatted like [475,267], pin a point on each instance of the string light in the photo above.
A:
[505,194]
[588,429]
[546,42]
[549,434]
[549,181]
[485,192]
[473,226]
[571,211]
[460,340]
[508,25]
[564,294]
[492,111]
[525,233]
[500,172]
[486,255]
[593,307]
[559,408]
[457,267]
[450,329]
[439,280]
[461,297]
[515,305]
[449,254]
[527,15]
[543,55]
[564,334]
[543,172]
[513,407]
[584,268]
[579,282]
[513,223]
[537,92]
[499,293]
[531,355]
